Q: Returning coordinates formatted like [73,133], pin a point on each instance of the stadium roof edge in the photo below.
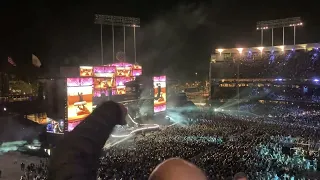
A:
[269,48]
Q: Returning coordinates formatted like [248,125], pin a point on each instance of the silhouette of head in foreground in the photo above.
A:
[177,169]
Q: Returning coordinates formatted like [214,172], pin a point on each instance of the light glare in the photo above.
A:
[220,50]
[260,49]
[240,50]
[282,48]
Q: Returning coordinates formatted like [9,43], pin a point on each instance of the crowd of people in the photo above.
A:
[34,171]
[263,141]
[271,91]
[288,64]
[223,144]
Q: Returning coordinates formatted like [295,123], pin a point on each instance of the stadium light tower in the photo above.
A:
[118,21]
[212,60]
[238,76]
[279,23]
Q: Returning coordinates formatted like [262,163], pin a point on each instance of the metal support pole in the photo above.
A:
[282,35]
[101,44]
[112,42]
[124,42]
[261,37]
[238,90]
[210,64]
[272,37]
[134,44]
[294,35]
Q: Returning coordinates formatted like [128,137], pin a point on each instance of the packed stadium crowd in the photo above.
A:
[279,141]
[286,94]
[223,144]
[288,64]
[34,171]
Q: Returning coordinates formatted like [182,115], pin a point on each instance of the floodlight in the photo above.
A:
[282,48]
[240,50]
[220,51]
[261,49]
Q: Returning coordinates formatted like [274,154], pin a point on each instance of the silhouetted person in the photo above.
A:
[22,166]
[80,97]
[77,155]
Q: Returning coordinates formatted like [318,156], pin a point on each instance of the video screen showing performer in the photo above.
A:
[79,100]
[160,93]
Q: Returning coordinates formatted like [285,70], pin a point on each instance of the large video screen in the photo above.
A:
[110,77]
[160,103]
[79,100]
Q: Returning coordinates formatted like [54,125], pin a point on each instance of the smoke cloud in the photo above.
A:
[16,128]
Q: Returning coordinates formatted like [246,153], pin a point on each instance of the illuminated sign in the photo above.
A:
[103,92]
[159,79]
[120,81]
[102,83]
[160,93]
[123,71]
[86,71]
[136,72]
[122,64]
[79,100]
[135,66]
[121,90]
[104,71]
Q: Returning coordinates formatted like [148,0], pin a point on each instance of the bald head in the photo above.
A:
[177,169]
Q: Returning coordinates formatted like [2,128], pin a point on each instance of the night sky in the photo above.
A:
[175,37]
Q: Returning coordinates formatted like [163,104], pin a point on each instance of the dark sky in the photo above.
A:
[175,36]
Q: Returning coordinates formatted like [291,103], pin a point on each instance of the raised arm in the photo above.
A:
[77,155]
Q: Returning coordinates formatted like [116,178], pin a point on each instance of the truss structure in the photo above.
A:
[117,20]
[279,23]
